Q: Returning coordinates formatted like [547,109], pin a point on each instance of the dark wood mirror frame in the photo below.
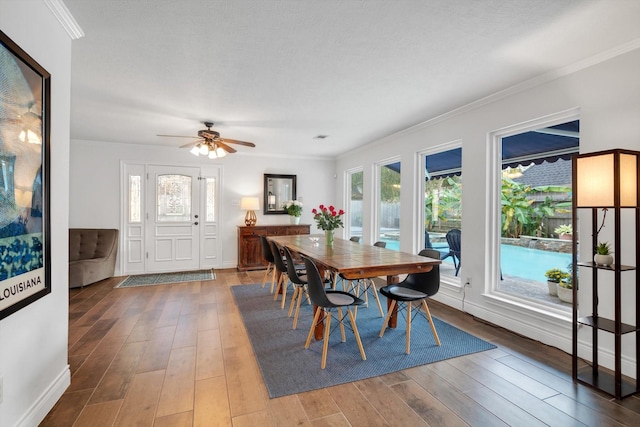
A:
[277,190]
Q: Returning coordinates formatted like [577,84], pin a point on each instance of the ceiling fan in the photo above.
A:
[210,143]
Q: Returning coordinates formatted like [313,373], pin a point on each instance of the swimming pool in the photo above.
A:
[518,261]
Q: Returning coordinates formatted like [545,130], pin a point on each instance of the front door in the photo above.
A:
[173,220]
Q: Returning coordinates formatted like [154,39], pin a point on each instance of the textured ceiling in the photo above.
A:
[279,72]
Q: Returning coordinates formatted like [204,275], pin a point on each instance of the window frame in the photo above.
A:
[493,226]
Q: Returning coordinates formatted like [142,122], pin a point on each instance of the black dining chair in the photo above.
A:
[300,286]
[355,239]
[267,254]
[283,276]
[327,301]
[416,287]
[365,286]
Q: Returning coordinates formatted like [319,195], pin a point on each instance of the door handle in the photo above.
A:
[195,223]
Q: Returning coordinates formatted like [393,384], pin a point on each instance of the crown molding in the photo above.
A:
[65,18]
[512,90]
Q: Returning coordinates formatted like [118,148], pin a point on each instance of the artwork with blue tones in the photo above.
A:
[25,268]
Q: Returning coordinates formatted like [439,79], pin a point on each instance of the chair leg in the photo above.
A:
[375,294]
[293,300]
[273,279]
[408,344]
[266,273]
[278,287]
[357,334]
[325,345]
[387,317]
[341,317]
[433,327]
[313,326]
[365,297]
[356,290]
[295,317]
[284,292]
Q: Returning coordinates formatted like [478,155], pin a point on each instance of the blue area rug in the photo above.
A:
[164,278]
[288,368]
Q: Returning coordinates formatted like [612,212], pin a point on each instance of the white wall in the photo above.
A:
[607,95]
[95,184]
[33,341]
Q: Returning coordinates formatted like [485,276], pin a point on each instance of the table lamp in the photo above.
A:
[250,204]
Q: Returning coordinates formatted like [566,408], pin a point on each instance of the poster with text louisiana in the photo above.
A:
[24,215]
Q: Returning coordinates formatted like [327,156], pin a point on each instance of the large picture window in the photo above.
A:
[354,203]
[533,199]
[443,207]
[388,209]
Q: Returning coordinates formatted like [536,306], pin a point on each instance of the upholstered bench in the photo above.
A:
[92,255]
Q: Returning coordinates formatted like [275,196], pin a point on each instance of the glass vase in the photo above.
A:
[328,237]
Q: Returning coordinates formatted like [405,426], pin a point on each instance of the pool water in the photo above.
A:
[518,261]
[531,263]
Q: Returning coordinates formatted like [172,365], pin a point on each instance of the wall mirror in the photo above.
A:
[277,190]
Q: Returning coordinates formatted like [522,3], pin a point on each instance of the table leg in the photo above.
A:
[393,320]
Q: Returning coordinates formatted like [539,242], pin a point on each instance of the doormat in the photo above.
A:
[288,368]
[164,278]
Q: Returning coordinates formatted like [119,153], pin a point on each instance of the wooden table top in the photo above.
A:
[355,260]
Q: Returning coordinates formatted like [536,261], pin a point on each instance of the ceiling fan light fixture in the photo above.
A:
[220,152]
[195,151]
[204,149]
[212,154]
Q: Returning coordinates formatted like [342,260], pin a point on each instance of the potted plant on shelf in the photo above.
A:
[294,209]
[554,277]
[603,254]
[565,289]
[564,231]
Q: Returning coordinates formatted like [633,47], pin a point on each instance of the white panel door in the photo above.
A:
[173,220]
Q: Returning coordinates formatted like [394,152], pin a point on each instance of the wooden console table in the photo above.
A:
[249,247]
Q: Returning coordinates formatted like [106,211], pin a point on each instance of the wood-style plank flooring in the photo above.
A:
[178,355]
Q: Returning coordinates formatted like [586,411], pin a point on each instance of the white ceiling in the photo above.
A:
[280,72]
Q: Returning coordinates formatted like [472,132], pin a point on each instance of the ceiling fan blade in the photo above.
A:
[225,147]
[179,136]
[235,141]
[190,144]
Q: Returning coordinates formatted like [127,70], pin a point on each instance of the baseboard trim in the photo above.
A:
[47,400]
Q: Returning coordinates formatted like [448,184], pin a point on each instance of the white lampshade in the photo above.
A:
[220,152]
[204,150]
[598,175]
[212,154]
[250,204]
[195,151]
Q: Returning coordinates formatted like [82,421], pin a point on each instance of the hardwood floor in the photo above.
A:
[178,355]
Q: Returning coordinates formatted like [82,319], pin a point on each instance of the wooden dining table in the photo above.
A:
[354,260]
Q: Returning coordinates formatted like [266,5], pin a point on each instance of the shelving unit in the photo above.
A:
[615,201]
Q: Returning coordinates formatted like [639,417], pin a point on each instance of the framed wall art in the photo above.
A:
[25,255]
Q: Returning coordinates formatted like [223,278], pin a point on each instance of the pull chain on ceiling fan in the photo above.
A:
[210,143]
